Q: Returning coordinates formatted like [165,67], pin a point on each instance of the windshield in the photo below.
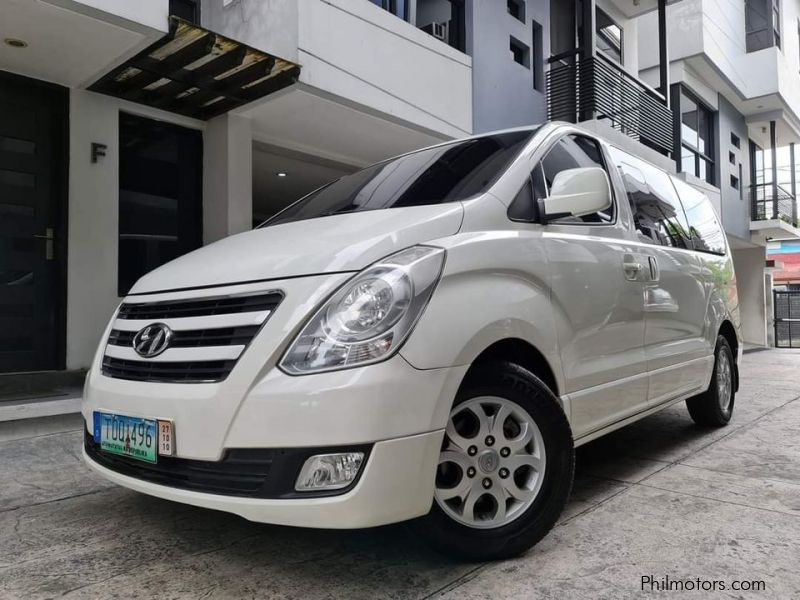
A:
[446,173]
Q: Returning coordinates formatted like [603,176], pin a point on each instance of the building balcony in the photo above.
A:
[773,213]
[596,88]
[356,55]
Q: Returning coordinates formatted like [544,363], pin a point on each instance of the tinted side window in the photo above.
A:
[657,212]
[570,152]
[704,228]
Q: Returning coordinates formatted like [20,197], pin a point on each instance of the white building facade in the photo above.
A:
[128,138]
[115,159]
[735,73]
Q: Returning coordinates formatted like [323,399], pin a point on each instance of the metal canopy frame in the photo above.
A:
[197,73]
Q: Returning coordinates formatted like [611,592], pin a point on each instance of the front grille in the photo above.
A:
[244,472]
[205,371]
[174,309]
[206,352]
[229,336]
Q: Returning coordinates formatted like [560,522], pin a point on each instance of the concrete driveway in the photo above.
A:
[661,498]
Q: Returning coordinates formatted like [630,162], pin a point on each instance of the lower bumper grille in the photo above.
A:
[243,472]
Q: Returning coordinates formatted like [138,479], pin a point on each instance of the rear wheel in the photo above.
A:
[506,466]
[714,407]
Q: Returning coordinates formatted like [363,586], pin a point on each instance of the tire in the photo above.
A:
[714,407]
[539,494]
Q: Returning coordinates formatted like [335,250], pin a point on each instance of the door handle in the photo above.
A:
[653,268]
[48,237]
[632,266]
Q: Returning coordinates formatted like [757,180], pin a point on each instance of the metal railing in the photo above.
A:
[581,89]
[767,205]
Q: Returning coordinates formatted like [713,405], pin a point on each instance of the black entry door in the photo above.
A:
[33,122]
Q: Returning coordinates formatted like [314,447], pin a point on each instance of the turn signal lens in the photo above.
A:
[329,471]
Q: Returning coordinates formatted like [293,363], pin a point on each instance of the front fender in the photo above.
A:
[491,290]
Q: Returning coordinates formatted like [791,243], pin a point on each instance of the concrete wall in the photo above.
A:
[227,177]
[749,266]
[268,25]
[503,91]
[715,30]
[735,203]
[93,220]
[150,14]
[359,52]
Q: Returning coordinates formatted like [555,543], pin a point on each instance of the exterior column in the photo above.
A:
[663,53]
[227,177]
[587,45]
[792,166]
[774,154]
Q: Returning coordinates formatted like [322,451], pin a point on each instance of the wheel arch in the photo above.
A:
[728,331]
[519,352]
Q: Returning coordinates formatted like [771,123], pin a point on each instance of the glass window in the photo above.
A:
[396,7]
[520,53]
[189,10]
[697,129]
[609,36]
[762,20]
[160,195]
[447,173]
[704,228]
[516,8]
[657,213]
[570,152]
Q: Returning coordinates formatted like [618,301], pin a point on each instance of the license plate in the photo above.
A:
[142,439]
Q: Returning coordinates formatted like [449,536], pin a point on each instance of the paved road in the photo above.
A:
[661,497]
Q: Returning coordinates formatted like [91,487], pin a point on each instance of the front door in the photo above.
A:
[33,118]
[597,295]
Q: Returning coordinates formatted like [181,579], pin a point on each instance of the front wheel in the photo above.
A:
[506,467]
[714,407]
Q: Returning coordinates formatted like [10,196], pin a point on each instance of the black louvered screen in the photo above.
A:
[597,88]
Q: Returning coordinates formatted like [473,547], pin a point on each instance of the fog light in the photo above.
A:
[329,471]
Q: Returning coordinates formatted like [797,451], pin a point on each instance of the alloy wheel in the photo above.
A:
[724,380]
[492,463]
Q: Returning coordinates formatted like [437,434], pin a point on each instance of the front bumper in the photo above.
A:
[396,410]
[396,484]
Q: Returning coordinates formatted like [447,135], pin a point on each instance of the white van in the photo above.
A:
[430,337]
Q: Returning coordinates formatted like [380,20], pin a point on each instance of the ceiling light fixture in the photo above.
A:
[281,174]
[15,43]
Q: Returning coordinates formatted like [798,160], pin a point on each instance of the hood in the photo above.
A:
[345,242]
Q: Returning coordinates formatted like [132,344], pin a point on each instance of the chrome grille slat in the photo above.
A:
[173,309]
[204,346]
[228,336]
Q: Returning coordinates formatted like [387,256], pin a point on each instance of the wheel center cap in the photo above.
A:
[488,461]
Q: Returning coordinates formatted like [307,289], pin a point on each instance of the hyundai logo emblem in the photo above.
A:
[152,340]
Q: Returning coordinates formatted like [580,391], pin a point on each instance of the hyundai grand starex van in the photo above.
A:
[429,338]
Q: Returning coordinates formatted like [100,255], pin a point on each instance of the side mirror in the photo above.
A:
[578,192]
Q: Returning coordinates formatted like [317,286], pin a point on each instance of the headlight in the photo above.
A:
[370,316]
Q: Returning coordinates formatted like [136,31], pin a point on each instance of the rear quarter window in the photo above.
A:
[704,227]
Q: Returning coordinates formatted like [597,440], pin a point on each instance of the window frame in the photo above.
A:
[681,144]
[599,35]
[189,214]
[724,252]
[195,6]
[538,218]
[521,9]
[640,237]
